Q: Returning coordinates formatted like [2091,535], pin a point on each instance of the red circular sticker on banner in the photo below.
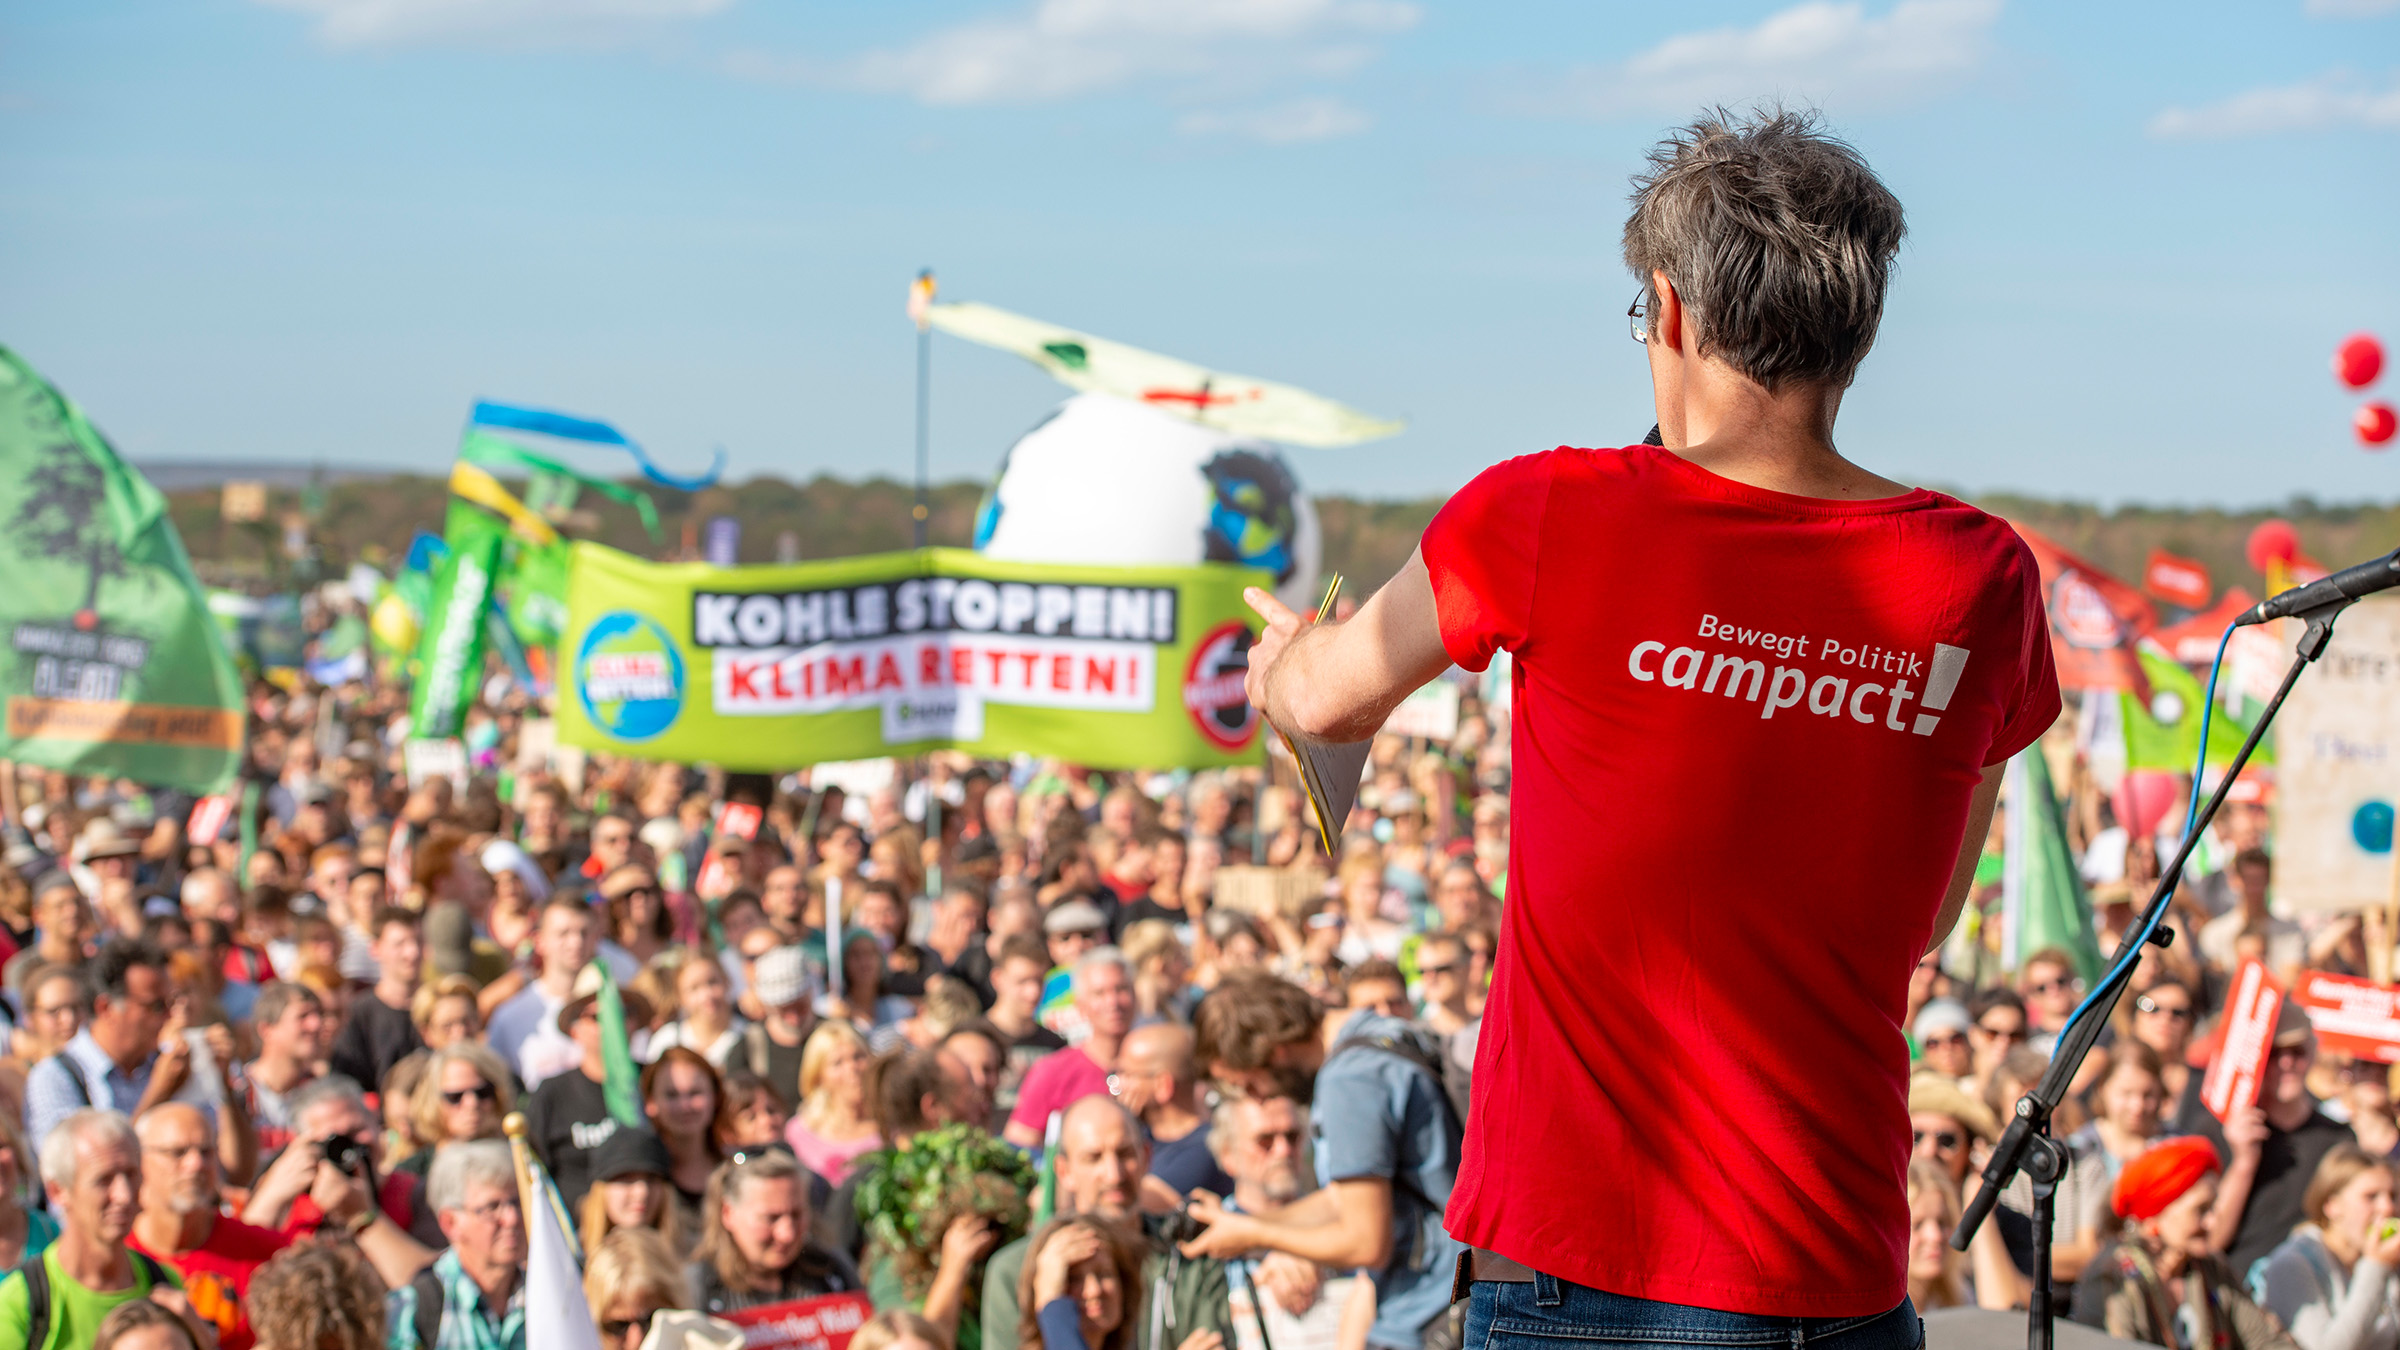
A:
[1212,686]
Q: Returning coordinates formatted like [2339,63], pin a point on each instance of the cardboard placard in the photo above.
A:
[2233,1076]
[1266,890]
[1431,712]
[2337,766]
[2351,1016]
[825,1323]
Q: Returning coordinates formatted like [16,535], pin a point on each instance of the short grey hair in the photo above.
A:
[1777,237]
[1095,959]
[58,1147]
[470,1162]
[318,1091]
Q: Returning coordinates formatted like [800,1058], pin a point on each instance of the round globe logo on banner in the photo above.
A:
[629,676]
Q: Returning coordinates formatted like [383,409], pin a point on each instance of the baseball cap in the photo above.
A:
[780,977]
[2292,1026]
[1941,1015]
[1074,916]
[631,1153]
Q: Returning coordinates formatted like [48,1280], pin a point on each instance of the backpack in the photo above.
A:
[430,1298]
[37,1288]
[75,1075]
[1423,1051]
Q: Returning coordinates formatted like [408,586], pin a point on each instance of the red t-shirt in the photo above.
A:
[1055,1082]
[1738,794]
[216,1275]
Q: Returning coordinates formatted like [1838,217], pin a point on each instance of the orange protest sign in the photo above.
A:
[2351,1016]
[825,1323]
[2249,1023]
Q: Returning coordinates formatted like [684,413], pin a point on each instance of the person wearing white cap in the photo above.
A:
[772,1045]
[1940,1037]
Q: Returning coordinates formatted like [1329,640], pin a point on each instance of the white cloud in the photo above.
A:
[390,23]
[2338,101]
[1818,50]
[1065,48]
[2351,9]
[1301,120]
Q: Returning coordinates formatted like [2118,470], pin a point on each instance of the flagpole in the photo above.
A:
[520,1153]
[920,299]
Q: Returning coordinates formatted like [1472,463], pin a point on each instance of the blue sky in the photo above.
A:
[292,229]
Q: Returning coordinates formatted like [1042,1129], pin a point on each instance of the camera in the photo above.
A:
[346,1154]
[1180,1226]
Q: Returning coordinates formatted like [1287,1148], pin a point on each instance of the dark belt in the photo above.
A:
[1477,1265]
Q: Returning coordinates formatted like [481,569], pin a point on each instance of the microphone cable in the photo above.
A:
[2130,949]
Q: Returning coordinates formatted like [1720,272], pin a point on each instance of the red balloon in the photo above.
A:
[2272,541]
[2375,423]
[2358,360]
[2144,797]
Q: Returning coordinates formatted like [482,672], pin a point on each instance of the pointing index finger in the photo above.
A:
[1274,611]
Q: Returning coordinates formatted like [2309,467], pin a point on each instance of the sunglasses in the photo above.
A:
[2053,986]
[614,1329]
[1944,1042]
[2011,1034]
[481,1092]
[2147,1004]
[1945,1140]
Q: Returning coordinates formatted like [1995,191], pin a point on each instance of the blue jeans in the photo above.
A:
[1552,1314]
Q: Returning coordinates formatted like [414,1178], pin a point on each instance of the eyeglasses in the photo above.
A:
[1639,312]
[2147,1004]
[1430,971]
[493,1212]
[1944,1042]
[481,1092]
[2053,986]
[615,1328]
[1945,1140]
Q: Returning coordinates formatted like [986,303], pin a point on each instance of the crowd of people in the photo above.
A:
[255,1092]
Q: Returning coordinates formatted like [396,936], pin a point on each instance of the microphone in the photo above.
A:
[2348,584]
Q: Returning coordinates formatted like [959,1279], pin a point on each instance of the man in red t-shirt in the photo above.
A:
[1763,698]
[216,1254]
[1104,995]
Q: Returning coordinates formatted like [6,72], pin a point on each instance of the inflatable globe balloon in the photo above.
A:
[1105,480]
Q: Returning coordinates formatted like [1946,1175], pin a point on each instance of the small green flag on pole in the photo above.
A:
[620,1083]
[2042,897]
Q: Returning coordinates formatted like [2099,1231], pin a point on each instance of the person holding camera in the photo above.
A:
[180,1223]
[1103,1158]
[327,1183]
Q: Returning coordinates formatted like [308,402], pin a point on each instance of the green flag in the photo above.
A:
[620,1081]
[2165,732]
[450,654]
[113,665]
[2041,894]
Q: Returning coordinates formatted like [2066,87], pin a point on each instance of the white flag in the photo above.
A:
[1240,404]
[556,1316]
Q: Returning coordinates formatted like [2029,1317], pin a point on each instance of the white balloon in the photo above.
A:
[1109,481]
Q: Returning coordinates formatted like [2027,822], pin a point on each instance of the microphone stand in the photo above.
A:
[2027,1145]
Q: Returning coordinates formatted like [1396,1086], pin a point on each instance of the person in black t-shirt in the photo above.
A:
[2271,1150]
[567,1116]
[379,1032]
[1164,899]
[1017,979]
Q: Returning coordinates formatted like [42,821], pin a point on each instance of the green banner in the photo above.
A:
[450,654]
[770,668]
[114,665]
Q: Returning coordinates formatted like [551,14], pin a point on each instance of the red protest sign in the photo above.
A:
[2249,1023]
[825,1323]
[209,815]
[2351,1016]
[739,819]
[2178,581]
